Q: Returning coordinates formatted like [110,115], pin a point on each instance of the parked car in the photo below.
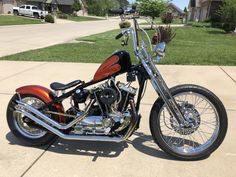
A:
[29,10]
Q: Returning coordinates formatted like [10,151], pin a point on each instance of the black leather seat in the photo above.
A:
[59,86]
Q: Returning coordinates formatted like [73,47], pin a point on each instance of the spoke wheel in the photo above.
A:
[26,130]
[24,125]
[207,123]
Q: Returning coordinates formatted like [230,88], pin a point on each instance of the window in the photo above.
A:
[22,7]
[34,7]
[27,7]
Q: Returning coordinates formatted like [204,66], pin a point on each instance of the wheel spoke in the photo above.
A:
[204,119]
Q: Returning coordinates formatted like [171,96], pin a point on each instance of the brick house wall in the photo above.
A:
[200,10]
[6,6]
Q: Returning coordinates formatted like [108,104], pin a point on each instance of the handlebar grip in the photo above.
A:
[116,11]
[119,36]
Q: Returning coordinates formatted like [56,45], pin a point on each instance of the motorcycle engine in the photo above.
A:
[110,113]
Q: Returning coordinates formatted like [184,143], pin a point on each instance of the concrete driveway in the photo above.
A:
[138,157]
[14,39]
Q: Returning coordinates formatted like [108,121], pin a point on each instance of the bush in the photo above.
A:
[62,16]
[167,18]
[228,15]
[49,18]
[228,27]
[164,34]
[125,24]
[74,14]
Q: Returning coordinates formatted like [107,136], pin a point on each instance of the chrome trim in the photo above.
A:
[69,137]
[52,122]
[76,137]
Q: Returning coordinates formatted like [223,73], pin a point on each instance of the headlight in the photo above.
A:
[160,50]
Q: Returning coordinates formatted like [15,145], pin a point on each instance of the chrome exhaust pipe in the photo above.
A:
[57,132]
[52,122]
[69,137]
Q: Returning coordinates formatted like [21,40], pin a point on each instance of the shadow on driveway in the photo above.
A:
[142,143]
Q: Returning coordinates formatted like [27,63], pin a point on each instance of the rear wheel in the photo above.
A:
[207,120]
[24,128]
[15,12]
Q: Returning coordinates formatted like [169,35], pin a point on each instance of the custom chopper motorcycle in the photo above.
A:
[187,121]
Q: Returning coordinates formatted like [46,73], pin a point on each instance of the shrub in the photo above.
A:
[228,15]
[9,12]
[125,24]
[228,27]
[165,34]
[49,18]
[74,14]
[167,18]
[62,16]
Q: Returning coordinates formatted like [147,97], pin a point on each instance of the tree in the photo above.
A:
[185,10]
[101,7]
[123,3]
[228,14]
[152,8]
[77,5]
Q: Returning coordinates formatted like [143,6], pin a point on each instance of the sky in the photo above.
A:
[180,3]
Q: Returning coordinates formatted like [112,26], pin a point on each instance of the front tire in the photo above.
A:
[36,15]
[183,143]
[22,127]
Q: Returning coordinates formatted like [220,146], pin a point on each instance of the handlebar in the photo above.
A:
[119,36]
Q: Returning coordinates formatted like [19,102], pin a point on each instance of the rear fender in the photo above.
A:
[43,93]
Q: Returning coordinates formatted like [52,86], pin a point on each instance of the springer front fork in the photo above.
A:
[163,90]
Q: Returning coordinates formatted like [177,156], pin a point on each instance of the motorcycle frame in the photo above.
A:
[146,69]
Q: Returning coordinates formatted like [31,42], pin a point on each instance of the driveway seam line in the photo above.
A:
[37,159]
[8,77]
[227,74]
[6,94]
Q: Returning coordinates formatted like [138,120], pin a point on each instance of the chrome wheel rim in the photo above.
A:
[22,126]
[201,136]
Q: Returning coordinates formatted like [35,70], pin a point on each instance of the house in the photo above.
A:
[6,6]
[175,10]
[64,6]
[200,10]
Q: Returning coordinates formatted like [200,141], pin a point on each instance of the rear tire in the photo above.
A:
[42,138]
[15,12]
[160,138]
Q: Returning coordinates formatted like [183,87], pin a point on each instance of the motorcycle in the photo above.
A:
[188,122]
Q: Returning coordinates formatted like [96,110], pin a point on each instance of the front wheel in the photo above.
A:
[36,15]
[207,120]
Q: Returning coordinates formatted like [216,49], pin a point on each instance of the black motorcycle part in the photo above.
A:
[80,96]
[108,96]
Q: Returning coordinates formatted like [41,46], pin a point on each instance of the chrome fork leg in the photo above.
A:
[162,89]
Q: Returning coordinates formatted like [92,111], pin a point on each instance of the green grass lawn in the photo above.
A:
[192,45]
[17,20]
[159,22]
[82,18]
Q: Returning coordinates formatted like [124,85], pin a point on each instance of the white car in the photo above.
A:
[29,10]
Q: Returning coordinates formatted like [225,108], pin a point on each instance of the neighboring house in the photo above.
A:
[200,10]
[6,6]
[64,6]
[1,6]
[175,10]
